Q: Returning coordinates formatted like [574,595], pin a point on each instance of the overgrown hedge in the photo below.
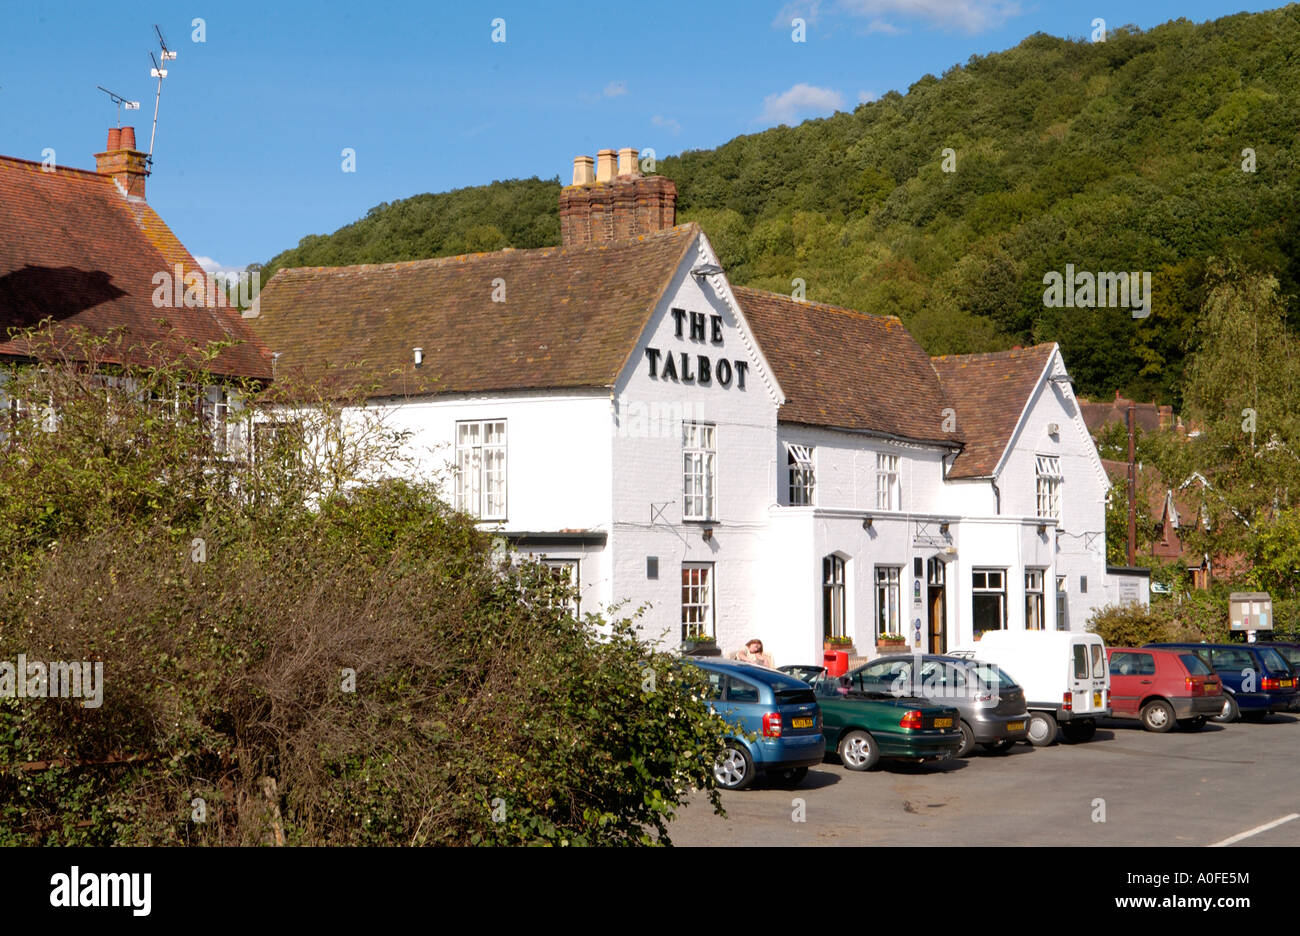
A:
[359,667]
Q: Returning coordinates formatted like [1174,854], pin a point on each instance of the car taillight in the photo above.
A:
[1269,684]
[911,720]
[1190,684]
[772,725]
[1067,701]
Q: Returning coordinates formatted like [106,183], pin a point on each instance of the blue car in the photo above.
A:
[778,719]
[1256,678]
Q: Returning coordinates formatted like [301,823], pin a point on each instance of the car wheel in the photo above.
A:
[999,747]
[1079,731]
[967,741]
[734,768]
[793,777]
[1229,714]
[1042,729]
[1192,724]
[859,751]
[1158,716]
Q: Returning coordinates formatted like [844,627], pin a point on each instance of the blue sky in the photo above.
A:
[255,118]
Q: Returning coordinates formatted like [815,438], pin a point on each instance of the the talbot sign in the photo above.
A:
[696,368]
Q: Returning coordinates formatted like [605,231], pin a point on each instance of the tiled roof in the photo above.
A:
[847,370]
[1097,415]
[75,250]
[990,392]
[571,317]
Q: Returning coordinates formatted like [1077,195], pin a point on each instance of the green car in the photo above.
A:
[862,726]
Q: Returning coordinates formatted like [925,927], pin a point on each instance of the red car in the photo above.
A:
[1163,688]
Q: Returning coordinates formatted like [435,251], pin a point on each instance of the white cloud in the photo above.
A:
[866,97]
[970,16]
[783,108]
[666,123]
[219,269]
[615,89]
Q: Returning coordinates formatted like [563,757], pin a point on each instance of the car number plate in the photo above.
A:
[1015,725]
[1288,683]
[1096,700]
[943,723]
[801,722]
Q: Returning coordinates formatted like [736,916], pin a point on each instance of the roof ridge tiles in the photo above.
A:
[514,253]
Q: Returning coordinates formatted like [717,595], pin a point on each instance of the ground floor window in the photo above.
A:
[888,615]
[988,600]
[1062,604]
[1034,599]
[564,573]
[697,600]
[833,597]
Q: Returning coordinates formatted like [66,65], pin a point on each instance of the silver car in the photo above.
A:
[992,705]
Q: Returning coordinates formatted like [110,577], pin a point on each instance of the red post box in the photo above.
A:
[836,662]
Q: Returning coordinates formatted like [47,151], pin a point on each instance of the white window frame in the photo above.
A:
[482,468]
[834,596]
[889,600]
[699,470]
[697,600]
[568,574]
[986,589]
[1035,599]
[889,482]
[802,475]
[1047,486]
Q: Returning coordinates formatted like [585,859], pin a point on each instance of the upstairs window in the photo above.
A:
[698,461]
[481,469]
[889,489]
[1047,470]
[799,460]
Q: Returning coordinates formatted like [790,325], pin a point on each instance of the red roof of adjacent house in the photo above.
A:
[1149,417]
[847,370]
[570,318]
[990,392]
[75,250]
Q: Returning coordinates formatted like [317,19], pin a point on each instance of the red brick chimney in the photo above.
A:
[615,202]
[128,166]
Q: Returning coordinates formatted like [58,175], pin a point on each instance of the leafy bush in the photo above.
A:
[295,656]
[1193,616]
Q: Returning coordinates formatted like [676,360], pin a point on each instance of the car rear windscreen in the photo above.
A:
[795,696]
[1273,660]
[1195,665]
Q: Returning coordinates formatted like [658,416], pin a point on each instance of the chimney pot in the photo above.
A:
[605,165]
[627,161]
[583,173]
[121,160]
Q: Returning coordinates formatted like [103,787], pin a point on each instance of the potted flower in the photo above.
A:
[840,642]
[700,645]
[890,643]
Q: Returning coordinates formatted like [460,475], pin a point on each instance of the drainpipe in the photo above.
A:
[997,497]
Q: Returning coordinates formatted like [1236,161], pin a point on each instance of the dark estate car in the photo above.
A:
[992,705]
[778,719]
[808,672]
[1256,678]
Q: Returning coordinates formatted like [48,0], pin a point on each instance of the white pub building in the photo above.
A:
[739,463]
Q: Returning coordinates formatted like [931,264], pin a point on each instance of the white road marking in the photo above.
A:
[1255,831]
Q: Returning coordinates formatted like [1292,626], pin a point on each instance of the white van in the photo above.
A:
[1064,675]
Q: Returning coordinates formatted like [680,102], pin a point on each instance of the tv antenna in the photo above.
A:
[120,101]
[160,73]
